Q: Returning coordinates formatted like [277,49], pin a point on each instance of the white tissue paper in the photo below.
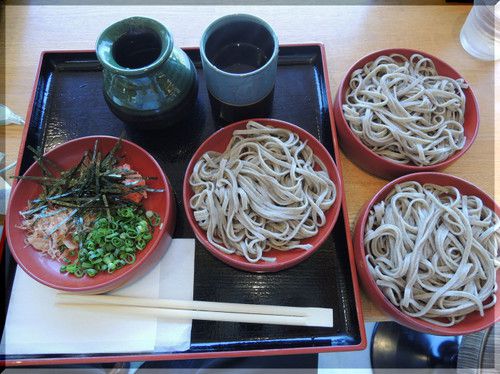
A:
[4,196]
[36,325]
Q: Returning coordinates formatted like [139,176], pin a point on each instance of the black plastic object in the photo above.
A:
[69,104]
[395,346]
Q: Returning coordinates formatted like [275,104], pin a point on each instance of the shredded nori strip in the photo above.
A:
[94,185]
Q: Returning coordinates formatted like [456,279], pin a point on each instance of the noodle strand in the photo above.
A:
[405,111]
[434,252]
[266,190]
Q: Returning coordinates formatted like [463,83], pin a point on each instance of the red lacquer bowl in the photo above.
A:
[473,322]
[371,162]
[218,142]
[46,270]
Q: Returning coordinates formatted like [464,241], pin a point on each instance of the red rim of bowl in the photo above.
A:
[127,272]
[399,169]
[473,322]
[232,259]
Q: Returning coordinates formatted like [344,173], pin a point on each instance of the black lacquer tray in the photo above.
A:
[68,103]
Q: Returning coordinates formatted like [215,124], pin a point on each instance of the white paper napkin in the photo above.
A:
[176,284]
[4,195]
[36,325]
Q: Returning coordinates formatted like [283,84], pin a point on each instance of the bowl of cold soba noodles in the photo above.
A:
[401,111]
[262,195]
[427,251]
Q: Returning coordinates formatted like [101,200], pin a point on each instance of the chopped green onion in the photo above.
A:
[113,242]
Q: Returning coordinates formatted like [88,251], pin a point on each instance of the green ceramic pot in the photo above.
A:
[148,81]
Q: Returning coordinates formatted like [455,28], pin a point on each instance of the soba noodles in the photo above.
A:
[434,252]
[263,192]
[404,111]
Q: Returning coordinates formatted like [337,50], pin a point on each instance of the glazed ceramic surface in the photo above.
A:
[147,80]
[239,54]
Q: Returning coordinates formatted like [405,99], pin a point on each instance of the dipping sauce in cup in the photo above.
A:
[239,54]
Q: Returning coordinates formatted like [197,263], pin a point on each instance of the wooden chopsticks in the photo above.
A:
[202,310]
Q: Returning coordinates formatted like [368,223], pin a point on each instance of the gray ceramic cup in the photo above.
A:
[239,54]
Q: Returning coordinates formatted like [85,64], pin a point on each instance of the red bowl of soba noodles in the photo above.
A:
[426,248]
[91,215]
[401,111]
[262,195]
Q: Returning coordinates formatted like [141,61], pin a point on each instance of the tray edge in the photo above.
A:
[180,356]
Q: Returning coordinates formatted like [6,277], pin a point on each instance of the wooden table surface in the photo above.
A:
[348,33]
